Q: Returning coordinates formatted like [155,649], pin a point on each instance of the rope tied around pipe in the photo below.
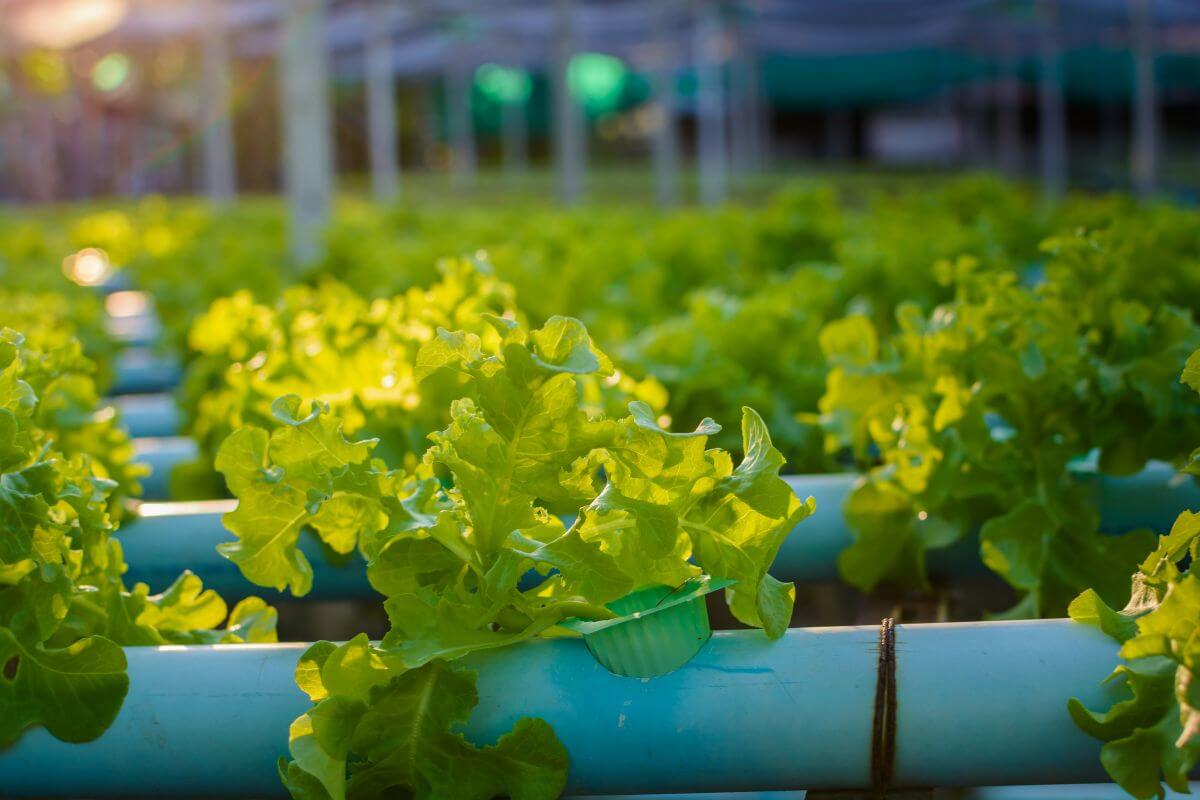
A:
[883,726]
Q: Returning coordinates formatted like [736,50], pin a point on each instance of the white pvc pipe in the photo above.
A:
[977,704]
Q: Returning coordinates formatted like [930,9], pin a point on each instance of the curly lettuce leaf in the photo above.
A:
[399,729]
[304,473]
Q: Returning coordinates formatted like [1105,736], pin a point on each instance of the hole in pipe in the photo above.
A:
[10,668]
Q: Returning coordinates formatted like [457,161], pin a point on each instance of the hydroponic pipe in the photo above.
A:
[977,703]
[1050,791]
[141,329]
[1088,791]
[140,370]
[148,415]
[171,536]
[161,455]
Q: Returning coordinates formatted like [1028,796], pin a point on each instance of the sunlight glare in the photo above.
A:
[63,24]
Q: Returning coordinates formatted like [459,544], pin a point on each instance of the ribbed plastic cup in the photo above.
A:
[660,628]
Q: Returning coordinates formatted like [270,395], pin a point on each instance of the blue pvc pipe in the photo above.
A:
[117,281]
[171,537]
[978,703]
[1067,791]
[161,455]
[795,794]
[167,538]
[136,330]
[1087,791]
[141,370]
[1151,499]
[148,415]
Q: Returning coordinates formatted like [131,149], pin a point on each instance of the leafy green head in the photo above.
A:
[477,560]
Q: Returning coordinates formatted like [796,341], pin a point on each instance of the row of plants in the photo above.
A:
[964,405]
[656,508]
[617,268]
[966,418]
[1151,734]
[65,611]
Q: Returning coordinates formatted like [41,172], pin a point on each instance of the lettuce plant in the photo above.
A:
[330,344]
[57,314]
[64,609]
[356,355]
[452,557]
[69,410]
[1152,733]
[712,359]
[970,417]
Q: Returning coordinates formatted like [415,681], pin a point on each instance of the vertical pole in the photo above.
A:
[666,139]
[138,130]
[381,103]
[219,164]
[460,119]
[570,143]
[760,116]
[428,137]
[81,157]
[743,101]
[308,136]
[1144,164]
[839,135]
[45,167]
[710,102]
[666,133]
[977,114]
[1052,115]
[515,133]
[1111,130]
[1008,113]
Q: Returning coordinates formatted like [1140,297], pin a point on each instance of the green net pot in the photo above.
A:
[660,628]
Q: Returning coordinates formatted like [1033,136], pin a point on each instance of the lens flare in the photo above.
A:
[597,80]
[503,84]
[63,24]
[126,304]
[88,267]
[111,72]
